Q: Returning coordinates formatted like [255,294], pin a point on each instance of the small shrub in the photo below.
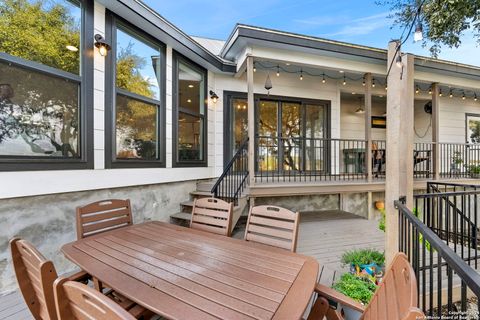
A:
[363,256]
[356,288]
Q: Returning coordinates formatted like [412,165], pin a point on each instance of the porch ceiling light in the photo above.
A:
[268,84]
[360,110]
[71,48]
[213,96]
[102,46]
[418,35]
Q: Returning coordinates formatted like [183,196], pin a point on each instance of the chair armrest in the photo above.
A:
[333,295]
[79,276]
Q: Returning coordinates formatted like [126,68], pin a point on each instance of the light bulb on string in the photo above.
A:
[278,71]
[301,74]
[323,78]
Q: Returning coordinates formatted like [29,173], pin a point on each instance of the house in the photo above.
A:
[135,108]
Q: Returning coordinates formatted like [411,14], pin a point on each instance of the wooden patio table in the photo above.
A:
[181,273]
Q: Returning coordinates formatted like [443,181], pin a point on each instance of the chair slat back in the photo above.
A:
[212,215]
[74,300]
[396,297]
[103,216]
[273,226]
[35,275]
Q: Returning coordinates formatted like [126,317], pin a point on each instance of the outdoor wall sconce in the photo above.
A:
[213,96]
[102,46]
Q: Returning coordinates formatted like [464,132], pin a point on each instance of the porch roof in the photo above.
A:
[245,35]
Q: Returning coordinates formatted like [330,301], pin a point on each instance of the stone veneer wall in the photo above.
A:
[49,221]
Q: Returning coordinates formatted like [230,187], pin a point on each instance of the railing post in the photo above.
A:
[251,121]
[435,130]
[368,125]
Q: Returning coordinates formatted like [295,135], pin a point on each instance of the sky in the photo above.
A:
[356,21]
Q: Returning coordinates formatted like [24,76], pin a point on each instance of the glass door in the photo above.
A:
[267,132]
[316,149]
[239,124]
[290,135]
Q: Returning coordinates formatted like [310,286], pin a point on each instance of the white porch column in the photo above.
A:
[251,121]
[399,150]
[435,130]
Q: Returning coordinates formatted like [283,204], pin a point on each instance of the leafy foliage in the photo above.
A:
[356,288]
[363,256]
[444,21]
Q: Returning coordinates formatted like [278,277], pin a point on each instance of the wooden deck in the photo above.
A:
[323,235]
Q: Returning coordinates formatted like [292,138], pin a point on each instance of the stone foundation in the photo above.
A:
[49,221]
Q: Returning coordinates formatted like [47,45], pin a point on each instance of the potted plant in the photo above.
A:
[474,171]
[366,263]
[456,161]
[356,288]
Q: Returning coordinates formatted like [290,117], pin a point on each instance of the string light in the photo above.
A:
[386,87]
[417,90]
[344,80]
[463,96]
[254,67]
[440,93]
[301,74]
[363,82]
[373,83]
[475,97]
[278,71]
[451,94]
[323,78]
[430,90]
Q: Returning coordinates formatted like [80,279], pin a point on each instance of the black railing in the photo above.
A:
[445,281]
[299,159]
[423,160]
[234,179]
[379,158]
[459,160]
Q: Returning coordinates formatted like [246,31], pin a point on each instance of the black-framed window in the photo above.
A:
[46,98]
[190,110]
[136,90]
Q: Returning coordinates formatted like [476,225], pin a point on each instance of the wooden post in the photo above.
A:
[251,121]
[435,130]
[399,150]
[368,125]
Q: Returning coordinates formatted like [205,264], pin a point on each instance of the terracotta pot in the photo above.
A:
[380,205]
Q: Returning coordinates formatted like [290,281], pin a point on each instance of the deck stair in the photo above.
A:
[203,190]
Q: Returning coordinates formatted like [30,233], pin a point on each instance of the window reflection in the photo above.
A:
[136,129]
[36,118]
[137,65]
[47,32]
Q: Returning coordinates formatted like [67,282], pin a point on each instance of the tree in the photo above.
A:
[444,21]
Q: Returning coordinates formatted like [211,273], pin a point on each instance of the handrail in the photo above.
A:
[421,245]
[234,189]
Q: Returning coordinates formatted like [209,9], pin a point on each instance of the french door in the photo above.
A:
[289,133]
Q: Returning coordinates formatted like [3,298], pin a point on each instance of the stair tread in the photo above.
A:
[187,203]
[201,193]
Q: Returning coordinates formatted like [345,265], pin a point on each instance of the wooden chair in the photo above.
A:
[274,226]
[103,216]
[78,301]
[395,299]
[213,215]
[35,275]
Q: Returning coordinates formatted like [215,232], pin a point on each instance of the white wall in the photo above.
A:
[452,118]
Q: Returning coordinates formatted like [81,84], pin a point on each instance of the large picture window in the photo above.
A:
[137,118]
[44,65]
[190,109]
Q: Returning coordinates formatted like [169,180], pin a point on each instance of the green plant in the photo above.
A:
[474,169]
[381,222]
[355,287]
[363,256]
[457,157]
